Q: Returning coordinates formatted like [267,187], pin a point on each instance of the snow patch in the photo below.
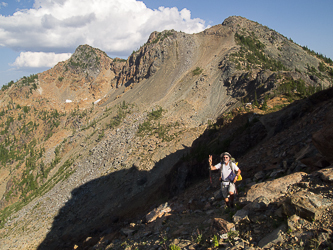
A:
[40,90]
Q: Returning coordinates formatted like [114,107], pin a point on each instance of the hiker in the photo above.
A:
[228,176]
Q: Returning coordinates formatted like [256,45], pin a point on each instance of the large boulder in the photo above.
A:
[222,226]
[307,205]
[273,190]
[326,174]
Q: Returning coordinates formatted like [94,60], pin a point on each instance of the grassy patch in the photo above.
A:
[151,127]
[197,71]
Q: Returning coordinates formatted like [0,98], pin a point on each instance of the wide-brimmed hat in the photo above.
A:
[225,153]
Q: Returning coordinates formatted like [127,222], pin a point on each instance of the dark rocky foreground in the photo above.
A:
[291,212]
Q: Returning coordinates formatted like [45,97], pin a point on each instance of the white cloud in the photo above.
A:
[114,26]
[3,4]
[39,59]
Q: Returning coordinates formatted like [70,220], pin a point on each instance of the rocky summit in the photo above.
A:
[102,153]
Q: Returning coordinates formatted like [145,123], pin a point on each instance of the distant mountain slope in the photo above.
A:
[194,71]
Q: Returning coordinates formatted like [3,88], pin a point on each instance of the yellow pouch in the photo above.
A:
[239,178]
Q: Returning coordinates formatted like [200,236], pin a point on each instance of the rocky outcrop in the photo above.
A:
[79,81]
[145,62]
[262,82]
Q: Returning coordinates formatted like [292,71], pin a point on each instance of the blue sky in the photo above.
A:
[36,34]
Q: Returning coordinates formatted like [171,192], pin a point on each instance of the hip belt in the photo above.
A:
[225,183]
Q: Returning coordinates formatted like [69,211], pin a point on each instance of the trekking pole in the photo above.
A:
[210,173]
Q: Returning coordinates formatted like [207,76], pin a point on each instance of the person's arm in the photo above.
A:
[210,161]
[238,173]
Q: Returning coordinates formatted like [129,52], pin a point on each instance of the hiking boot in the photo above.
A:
[225,205]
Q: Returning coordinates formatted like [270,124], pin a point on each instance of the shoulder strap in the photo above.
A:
[232,166]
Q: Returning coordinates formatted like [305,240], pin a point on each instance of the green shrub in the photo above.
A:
[7,86]
[26,109]
[215,241]
[100,136]
[144,128]
[255,102]
[264,105]
[119,60]
[252,50]
[320,56]
[232,235]
[249,42]
[30,79]
[197,71]
[330,72]
[155,114]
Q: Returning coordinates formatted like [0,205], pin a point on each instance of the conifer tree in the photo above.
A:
[255,99]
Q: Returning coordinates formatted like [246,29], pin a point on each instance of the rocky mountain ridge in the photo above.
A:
[105,127]
[282,202]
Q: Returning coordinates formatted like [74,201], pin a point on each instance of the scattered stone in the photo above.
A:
[158,212]
[90,241]
[127,231]
[222,226]
[258,204]
[274,237]
[293,222]
[241,215]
